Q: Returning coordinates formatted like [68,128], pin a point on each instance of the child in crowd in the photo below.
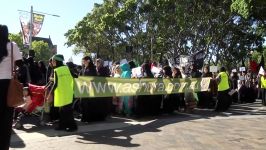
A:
[117,103]
[23,109]
[26,98]
[117,71]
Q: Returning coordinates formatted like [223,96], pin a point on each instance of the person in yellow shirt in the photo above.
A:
[263,88]
[223,98]
[63,94]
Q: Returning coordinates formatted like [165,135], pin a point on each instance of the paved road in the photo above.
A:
[242,127]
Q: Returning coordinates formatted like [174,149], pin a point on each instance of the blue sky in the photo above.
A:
[70,12]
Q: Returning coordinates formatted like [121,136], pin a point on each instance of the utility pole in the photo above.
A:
[31,26]
[31,22]
[152,47]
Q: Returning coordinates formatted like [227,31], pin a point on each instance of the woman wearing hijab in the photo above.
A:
[147,104]
[127,101]
[117,106]
[102,71]
[42,70]
[205,97]
[101,106]
[179,98]
[170,100]
[88,69]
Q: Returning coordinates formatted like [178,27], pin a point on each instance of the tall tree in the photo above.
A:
[169,28]
[42,51]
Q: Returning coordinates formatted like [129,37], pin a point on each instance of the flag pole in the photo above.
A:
[31,27]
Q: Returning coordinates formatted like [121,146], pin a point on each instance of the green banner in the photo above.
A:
[108,87]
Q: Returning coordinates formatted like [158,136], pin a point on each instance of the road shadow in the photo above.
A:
[255,108]
[19,144]
[235,109]
[123,134]
[123,137]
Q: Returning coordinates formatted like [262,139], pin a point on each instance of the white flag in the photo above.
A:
[261,72]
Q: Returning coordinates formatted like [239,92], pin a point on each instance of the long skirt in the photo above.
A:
[66,118]
[205,99]
[95,109]
[117,106]
[54,113]
[251,95]
[141,105]
[147,105]
[263,97]
[170,103]
[126,105]
[181,103]
[235,97]
[190,100]
[242,94]
[259,94]
[155,104]
[223,101]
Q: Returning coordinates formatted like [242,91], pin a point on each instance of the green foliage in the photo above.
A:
[242,7]
[169,28]
[17,38]
[254,10]
[42,50]
[255,56]
[250,8]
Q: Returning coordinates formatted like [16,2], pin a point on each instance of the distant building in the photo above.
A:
[47,40]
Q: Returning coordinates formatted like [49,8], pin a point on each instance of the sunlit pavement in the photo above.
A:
[242,127]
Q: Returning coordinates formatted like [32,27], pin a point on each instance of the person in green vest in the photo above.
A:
[63,94]
[223,98]
[263,88]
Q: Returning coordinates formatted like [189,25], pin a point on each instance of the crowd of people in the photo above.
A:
[225,88]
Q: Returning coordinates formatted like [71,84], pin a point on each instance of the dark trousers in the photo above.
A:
[242,94]
[263,97]
[141,105]
[54,113]
[170,103]
[6,115]
[66,117]
[205,99]
[223,101]
[95,109]
[259,96]
[182,103]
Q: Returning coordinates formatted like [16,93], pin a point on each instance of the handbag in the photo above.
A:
[15,89]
